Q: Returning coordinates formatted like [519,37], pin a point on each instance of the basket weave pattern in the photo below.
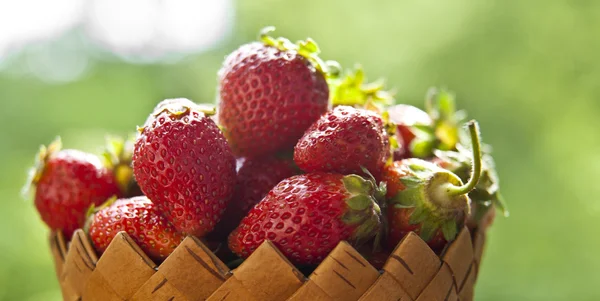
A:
[192,272]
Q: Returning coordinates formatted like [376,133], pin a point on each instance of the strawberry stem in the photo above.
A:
[307,48]
[476,174]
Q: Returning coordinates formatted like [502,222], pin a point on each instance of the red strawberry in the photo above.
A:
[255,178]
[141,220]
[430,201]
[344,140]
[406,117]
[306,216]
[270,93]
[184,165]
[67,183]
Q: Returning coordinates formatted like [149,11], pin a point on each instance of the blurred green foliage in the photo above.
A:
[528,72]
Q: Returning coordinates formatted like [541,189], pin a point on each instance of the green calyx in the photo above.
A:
[390,129]
[117,157]
[363,207]
[361,192]
[307,48]
[352,89]
[433,208]
[487,191]
[438,197]
[36,171]
[444,133]
[440,104]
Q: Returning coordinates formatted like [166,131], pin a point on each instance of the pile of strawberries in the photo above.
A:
[298,153]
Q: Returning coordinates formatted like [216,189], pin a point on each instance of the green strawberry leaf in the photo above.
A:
[446,104]
[427,231]
[449,230]
[418,215]
[411,181]
[421,148]
[501,204]
[352,90]
[425,129]
[360,202]
[356,184]
[307,48]
[400,206]
[409,196]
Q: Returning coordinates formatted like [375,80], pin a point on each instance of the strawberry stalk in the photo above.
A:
[452,190]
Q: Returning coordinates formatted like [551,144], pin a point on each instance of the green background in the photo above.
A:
[527,70]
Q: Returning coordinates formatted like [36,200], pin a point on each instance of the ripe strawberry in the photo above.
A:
[344,140]
[184,165]
[67,183]
[306,216]
[270,93]
[255,178]
[429,200]
[141,220]
[406,117]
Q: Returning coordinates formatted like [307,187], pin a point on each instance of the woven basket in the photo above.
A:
[413,272]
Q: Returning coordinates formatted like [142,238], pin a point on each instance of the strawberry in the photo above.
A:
[270,92]
[117,157]
[67,182]
[429,200]
[183,164]
[406,117]
[344,140]
[141,219]
[307,215]
[487,192]
[255,178]
[421,133]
